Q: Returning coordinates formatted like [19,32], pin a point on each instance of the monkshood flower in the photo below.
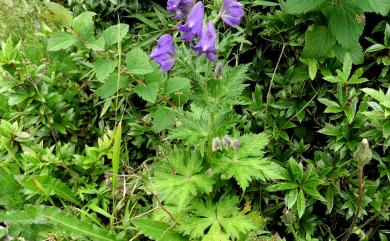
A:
[206,43]
[232,12]
[164,53]
[180,7]
[193,27]
[235,144]
[227,141]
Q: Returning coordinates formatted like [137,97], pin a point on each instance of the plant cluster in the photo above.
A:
[179,120]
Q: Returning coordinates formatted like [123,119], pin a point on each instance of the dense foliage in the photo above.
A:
[210,120]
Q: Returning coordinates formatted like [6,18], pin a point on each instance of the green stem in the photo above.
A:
[294,233]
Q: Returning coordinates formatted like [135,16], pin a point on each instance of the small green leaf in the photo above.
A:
[295,169]
[329,200]
[175,84]
[347,66]
[331,106]
[281,187]
[147,92]
[291,198]
[61,40]
[375,48]
[301,203]
[95,44]
[84,25]
[314,193]
[138,62]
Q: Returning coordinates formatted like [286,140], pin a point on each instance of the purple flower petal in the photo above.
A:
[232,12]
[180,7]
[164,53]
[206,44]
[193,27]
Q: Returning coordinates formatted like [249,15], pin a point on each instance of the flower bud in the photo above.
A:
[218,70]
[235,144]
[216,144]
[363,154]
[226,141]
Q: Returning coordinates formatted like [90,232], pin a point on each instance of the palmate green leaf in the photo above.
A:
[61,40]
[157,231]
[343,24]
[301,6]
[48,186]
[183,179]
[219,221]
[247,163]
[230,86]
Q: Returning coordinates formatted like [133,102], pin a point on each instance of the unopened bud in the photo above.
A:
[288,217]
[217,144]
[235,144]
[226,141]
[218,70]
[363,154]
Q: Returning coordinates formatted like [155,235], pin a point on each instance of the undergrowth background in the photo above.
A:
[284,137]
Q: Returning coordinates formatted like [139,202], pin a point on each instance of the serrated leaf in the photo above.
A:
[314,193]
[109,87]
[301,6]
[375,48]
[84,25]
[187,180]
[356,53]
[331,106]
[138,62]
[103,68]
[296,170]
[61,40]
[176,84]
[62,13]
[301,203]
[281,186]
[219,221]
[247,163]
[343,25]
[162,119]
[291,198]
[377,6]
[116,33]
[157,231]
[318,42]
[95,44]
[147,92]
[330,130]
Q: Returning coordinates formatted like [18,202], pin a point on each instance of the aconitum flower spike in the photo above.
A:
[180,7]
[164,53]
[193,27]
[206,43]
[232,12]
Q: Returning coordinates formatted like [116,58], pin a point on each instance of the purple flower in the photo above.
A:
[216,144]
[227,141]
[206,43]
[180,7]
[235,144]
[193,27]
[164,53]
[232,12]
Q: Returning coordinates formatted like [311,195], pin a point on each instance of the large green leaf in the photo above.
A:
[301,6]
[109,87]
[318,42]
[61,40]
[116,33]
[377,6]
[103,68]
[343,24]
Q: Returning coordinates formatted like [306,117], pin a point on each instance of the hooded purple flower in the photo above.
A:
[232,12]
[180,7]
[164,53]
[206,43]
[193,27]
